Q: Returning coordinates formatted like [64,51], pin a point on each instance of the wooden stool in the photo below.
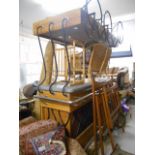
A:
[106,101]
[98,63]
[104,114]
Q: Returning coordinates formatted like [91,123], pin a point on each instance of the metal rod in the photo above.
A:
[54,55]
[67,54]
[44,63]
[63,101]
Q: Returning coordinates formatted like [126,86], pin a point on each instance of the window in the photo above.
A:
[124,53]
[30,58]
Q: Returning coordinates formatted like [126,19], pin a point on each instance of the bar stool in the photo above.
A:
[99,59]
[106,103]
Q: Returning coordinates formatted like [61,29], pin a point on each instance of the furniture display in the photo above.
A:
[67,91]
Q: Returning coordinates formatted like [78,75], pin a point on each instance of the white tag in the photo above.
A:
[42,148]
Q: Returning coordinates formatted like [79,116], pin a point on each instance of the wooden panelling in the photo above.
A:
[73,17]
[49,64]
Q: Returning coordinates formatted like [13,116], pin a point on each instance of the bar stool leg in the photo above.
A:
[94,124]
[99,124]
[109,124]
[118,104]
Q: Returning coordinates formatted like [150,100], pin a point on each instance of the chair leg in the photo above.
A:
[106,111]
[100,125]
[94,125]
[111,139]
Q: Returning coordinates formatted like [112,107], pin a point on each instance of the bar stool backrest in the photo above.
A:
[99,59]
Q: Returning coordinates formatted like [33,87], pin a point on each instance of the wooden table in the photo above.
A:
[70,114]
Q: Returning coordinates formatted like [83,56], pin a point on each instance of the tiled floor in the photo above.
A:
[126,140]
